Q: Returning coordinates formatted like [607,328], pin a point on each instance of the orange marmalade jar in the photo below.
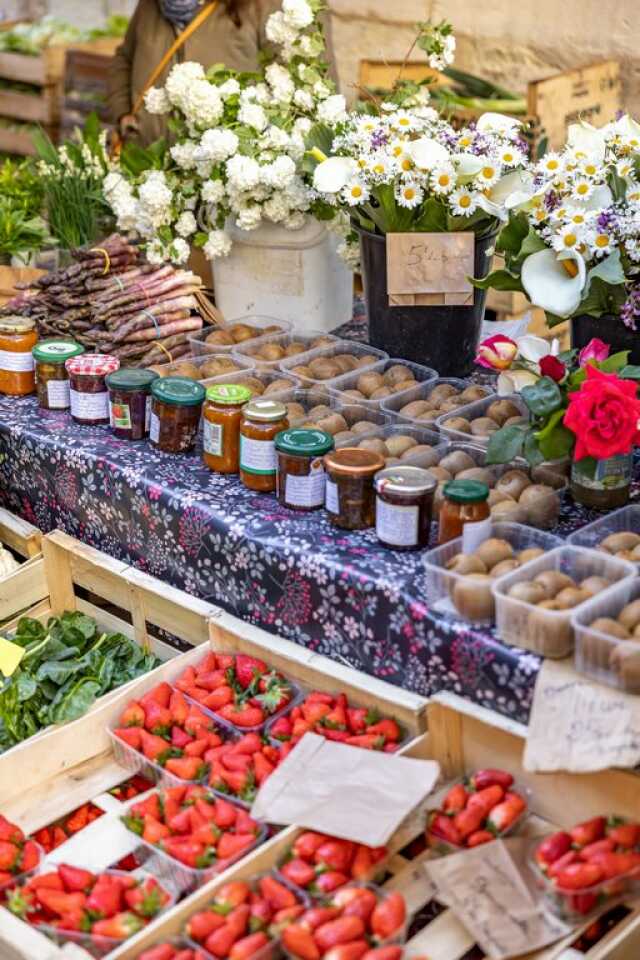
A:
[261,421]
[465,505]
[18,337]
[222,414]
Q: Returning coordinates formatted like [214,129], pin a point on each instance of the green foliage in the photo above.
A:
[506,444]
[499,280]
[20,234]
[543,397]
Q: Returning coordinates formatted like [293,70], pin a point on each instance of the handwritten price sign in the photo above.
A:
[430,269]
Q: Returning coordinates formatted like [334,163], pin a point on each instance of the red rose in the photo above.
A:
[552,367]
[604,415]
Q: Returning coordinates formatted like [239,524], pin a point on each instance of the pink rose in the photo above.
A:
[604,415]
[596,350]
[497,352]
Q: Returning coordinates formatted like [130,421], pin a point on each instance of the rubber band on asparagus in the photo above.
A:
[107,258]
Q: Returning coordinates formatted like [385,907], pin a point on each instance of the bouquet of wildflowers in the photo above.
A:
[572,243]
[239,145]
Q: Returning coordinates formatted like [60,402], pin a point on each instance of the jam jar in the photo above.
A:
[301,476]
[52,377]
[261,421]
[88,391]
[175,413]
[130,402]
[465,512]
[18,337]
[404,507]
[221,415]
[349,495]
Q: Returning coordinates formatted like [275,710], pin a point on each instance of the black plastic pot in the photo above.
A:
[608,328]
[445,338]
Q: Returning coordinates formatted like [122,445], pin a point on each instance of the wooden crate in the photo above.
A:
[25,586]
[48,68]
[382,74]
[85,87]
[19,141]
[43,107]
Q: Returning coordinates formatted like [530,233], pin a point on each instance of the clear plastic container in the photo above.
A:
[349,381]
[190,365]
[550,632]
[361,352]
[19,878]
[271,385]
[423,391]
[624,520]
[304,401]
[578,906]
[442,585]
[422,436]
[198,341]
[603,657]
[473,412]
[304,343]
[178,943]
[440,847]
[270,950]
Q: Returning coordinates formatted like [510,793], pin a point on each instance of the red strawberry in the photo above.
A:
[624,834]
[307,843]
[455,800]
[212,679]
[356,902]
[213,661]
[75,879]
[279,896]
[616,864]
[336,854]
[339,931]
[233,894]
[151,807]
[147,898]
[249,743]
[196,748]
[387,728]
[153,831]
[187,851]
[299,941]
[362,863]
[179,738]
[588,832]
[154,747]
[105,899]
[380,953]
[248,946]
[299,872]
[129,735]
[233,844]
[479,837]
[133,715]
[219,698]
[389,915]
[46,881]
[157,719]
[160,694]
[236,761]
[242,716]
[487,799]
[281,729]
[357,718]
[552,848]
[220,942]
[594,849]
[330,881]
[488,778]
[248,669]
[558,865]
[164,951]
[314,711]
[30,857]
[9,855]
[262,768]
[245,823]
[120,927]
[468,821]
[178,707]
[186,768]
[347,951]
[261,915]
[579,876]
[288,915]
[9,831]
[202,924]
[186,679]
[317,916]
[367,741]
[336,719]
[225,815]
[60,903]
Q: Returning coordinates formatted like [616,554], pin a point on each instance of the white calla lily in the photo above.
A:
[508,185]
[628,127]
[493,209]
[550,284]
[600,198]
[514,380]
[427,153]
[332,174]
[467,164]
[497,122]
[585,138]
[533,348]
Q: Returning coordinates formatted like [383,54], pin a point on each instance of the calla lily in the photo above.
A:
[514,381]
[534,349]
[497,122]
[467,164]
[508,185]
[628,127]
[427,153]
[493,209]
[552,286]
[585,138]
[333,174]
[601,198]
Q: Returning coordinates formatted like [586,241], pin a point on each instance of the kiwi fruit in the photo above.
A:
[616,542]
[473,393]
[375,444]
[352,395]
[399,444]
[505,566]
[629,616]
[570,597]
[302,371]
[272,328]
[221,338]
[185,369]
[553,581]
[426,454]
[496,496]
[295,411]
[465,563]
[365,361]
[441,475]
[515,421]
[513,482]
[270,352]
[460,424]
[625,661]
[451,403]
[528,591]
[345,436]
[613,628]
[320,410]
[361,426]
[321,342]
[397,373]
[415,408]
[294,348]
[277,386]
[402,386]
[502,410]
[430,416]
[216,368]
[531,553]
[548,635]
[594,585]
[481,474]
[323,369]
[472,597]
[508,511]
[483,427]
[368,382]
[494,551]
[381,393]
[457,461]
[160,369]
[256,386]
[541,504]
[334,423]
[442,392]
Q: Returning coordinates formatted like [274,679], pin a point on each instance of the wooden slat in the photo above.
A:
[21,536]
[22,588]
[42,107]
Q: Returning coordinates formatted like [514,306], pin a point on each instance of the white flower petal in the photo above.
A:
[514,381]
[427,153]
[587,139]
[533,348]
[498,123]
[548,284]
[468,164]
[332,174]
[508,185]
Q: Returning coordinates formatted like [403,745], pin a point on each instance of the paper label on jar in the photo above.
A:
[89,406]
[212,435]
[331,498]
[306,491]
[258,456]
[16,362]
[473,534]
[147,414]
[58,394]
[397,525]
[120,415]
[154,428]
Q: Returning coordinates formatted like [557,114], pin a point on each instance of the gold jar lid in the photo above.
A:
[265,411]
[353,461]
[16,324]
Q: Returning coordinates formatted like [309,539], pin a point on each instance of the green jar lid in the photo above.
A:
[466,491]
[130,380]
[179,391]
[304,443]
[56,351]
[229,393]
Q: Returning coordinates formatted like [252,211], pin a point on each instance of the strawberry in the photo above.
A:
[57,902]
[588,832]
[479,837]
[330,881]
[262,768]
[187,851]
[338,736]
[46,881]
[624,834]
[594,849]
[380,953]
[179,738]
[164,951]
[299,872]
[307,843]
[147,898]
[248,669]
[186,679]
[9,831]
[616,864]
[356,902]
[157,719]
[133,715]
[366,741]
[59,836]
[196,748]
[206,809]
[387,728]
[278,896]
[129,735]
[579,876]
[238,782]
[233,894]
[242,716]
[178,707]
[300,942]
[212,679]
[226,814]
[214,661]
[153,831]
[558,865]
[339,931]
[314,711]
[160,694]
[506,813]
[78,819]
[233,844]
[261,915]
[468,821]
[362,863]
[105,900]
[288,915]
[336,854]
[75,879]
[552,848]
[220,942]
[489,778]
[202,924]
[236,761]
[389,916]
[455,800]
[246,947]
[347,951]
[217,699]
[186,768]
[486,799]
[30,856]
[9,855]
[317,916]
[155,748]
[357,719]
[281,729]
[120,927]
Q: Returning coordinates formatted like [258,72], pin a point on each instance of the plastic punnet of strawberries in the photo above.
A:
[18,854]
[475,811]
[244,918]
[242,690]
[358,922]
[170,731]
[320,864]
[334,718]
[173,951]
[193,826]
[240,768]
[107,905]
[589,864]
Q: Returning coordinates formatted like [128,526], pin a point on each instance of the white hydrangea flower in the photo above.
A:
[243,173]
[217,145]
[333,109]
[179,251]
[212,191]
[180,78]
[252,115]
[279,173]
[229,88]
[186,224]
[302,126]
[295,221]
[303,99]
[277,207]
[218,245]
[154,192]
[183,154]
[321,90]
[250,217]
[279,31]
[279,79]
[155,253]
[309,47]
[275,138]
[202,104]
[156,100]
[297,13]
[350,254]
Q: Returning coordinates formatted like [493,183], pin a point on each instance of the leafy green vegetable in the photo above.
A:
[67,665]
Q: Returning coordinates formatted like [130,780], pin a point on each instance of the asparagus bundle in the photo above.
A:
[110,300]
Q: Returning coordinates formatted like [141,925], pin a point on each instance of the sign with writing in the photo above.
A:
[491,891]
[579,726]
[593,94]
[430,269]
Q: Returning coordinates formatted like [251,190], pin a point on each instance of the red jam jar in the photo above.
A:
[88,391]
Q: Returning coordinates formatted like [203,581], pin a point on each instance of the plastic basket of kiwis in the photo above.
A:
[231,334]
[387,378]
[347,423]
[607,631]
[265,384]
[459,584]
[270,351]
[330,362]
[617,533]
[535,604]
[479,420]
[428,401]
[400,443]
[206,367]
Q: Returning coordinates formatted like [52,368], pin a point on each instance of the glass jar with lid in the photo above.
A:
[222,414]
[261,421]
[88,391]
[465,512]
[52,376]
[404,507]
[301,476]
[130,402]
[18,337]
[176,405]
[349,493]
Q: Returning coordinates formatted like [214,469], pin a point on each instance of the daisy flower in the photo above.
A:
[463,202]
[600,244]
[551,164]
[488,175]
[567,238]
[589,168]
[443,180]
[582,189]
[355,192]
[409,194]
[402,120]
[510,157]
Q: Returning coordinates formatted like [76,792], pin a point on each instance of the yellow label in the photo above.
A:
[10,656]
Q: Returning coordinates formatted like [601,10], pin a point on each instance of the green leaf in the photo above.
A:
[505,444]
[499,280]
[74,699]
[603,298]
[432,219]
[555,440]
[532,243]
[543,397]
[618,186]
[609,270]
[630,372]
[532,450]
[553,319]
[26,687]
[511,236]
[615,362]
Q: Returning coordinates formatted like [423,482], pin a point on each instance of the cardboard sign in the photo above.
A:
[492,893]
[580,726]
[593,94]
[430,269]
[354,794]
